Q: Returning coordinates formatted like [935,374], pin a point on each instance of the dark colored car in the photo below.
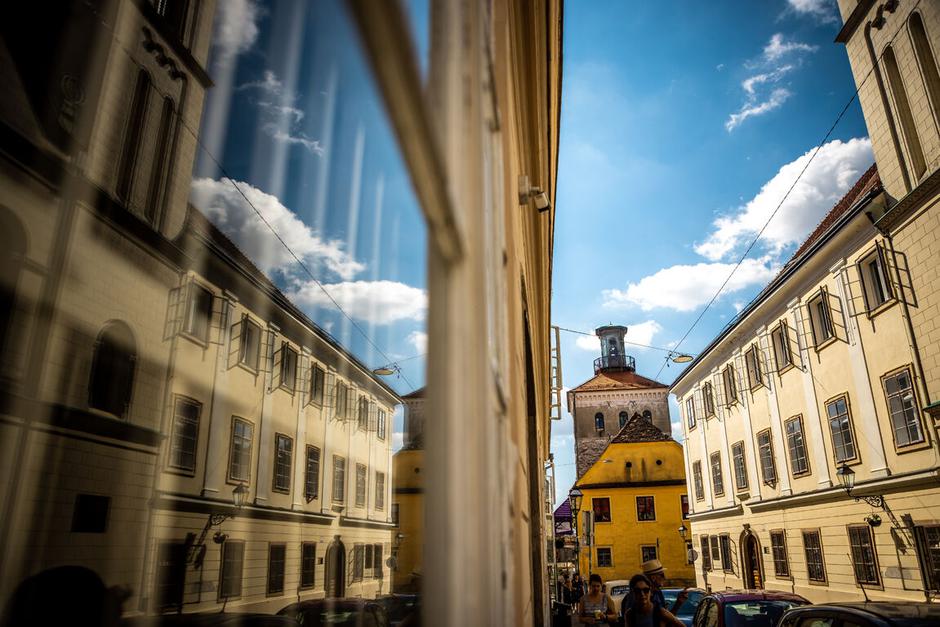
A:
[339,612]
[745,608]
[685,612]
[872,614]
[213,619]
[399,607]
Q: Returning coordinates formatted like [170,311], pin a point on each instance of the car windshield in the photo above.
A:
[690,605]
[756,613]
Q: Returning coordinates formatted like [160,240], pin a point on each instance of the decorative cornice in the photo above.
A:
[910,203]
[630,484]
[717,513]
[854,21]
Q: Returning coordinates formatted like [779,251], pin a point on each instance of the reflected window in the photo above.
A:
[283,454]
[363,418]
[361,475]
[249,343]
[132,136]
[317,378]
[240,456]
[185,434]
[276,557]
[230,577]
[288,372]
[379,490]
[339,479]
[308,565]
[198,312]
[382,421]
[112,370]
[312,474]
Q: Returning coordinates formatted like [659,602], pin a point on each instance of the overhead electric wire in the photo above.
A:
[785,196]
[658,348]
[226,175]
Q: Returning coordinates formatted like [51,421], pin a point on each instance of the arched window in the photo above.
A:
[132,137]
[927,62]
[914,151]
[599,421]
[156,196]
[623,419]
[647,415]
[112,370]
[12,256]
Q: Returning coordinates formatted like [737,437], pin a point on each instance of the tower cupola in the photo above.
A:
[613,355]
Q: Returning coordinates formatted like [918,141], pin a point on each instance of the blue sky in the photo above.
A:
[683,125]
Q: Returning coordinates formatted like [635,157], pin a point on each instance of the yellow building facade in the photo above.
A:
[636,494]
[408,498]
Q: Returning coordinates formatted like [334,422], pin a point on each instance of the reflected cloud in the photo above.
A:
[377,302]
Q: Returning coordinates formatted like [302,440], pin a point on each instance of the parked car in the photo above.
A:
[871,614]
[399,607]
[617,589]
[211,619]
[338,612]
[686,611]
[745,608]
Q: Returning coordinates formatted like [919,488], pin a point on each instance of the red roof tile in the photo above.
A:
[618,380]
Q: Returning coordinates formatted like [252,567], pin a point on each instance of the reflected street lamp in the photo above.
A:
[239,498]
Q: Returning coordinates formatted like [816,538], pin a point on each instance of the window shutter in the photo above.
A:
[329,393]
[837,315]
[855,291]
[176,305]
[373,416]
[895,265]
[794,344]
[276,367]
[235,342]
[718,387]
[351,406]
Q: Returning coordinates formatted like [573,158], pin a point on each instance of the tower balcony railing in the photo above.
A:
[614,362]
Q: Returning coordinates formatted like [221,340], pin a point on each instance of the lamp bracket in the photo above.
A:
[874,501]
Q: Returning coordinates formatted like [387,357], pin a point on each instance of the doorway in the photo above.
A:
[752,564]
[336,569]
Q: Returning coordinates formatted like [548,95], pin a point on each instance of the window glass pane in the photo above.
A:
[905,417]
[185,435]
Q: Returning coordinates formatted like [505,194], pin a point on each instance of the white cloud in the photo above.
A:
[778,47]
[752,109]
[687,287]
[378,302]
[773,76]
[236,28]
[834,170]
[282,116]
[720,67]
[590,343]
[418,339]
[643,332]
[270,84]
[398,440]
[301,139]
[230,211]
[283,110]
[822,10]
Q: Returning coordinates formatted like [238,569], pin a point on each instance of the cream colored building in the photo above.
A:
[130,414]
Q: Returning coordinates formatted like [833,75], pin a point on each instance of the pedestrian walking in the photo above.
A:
[597,608]
[643,612]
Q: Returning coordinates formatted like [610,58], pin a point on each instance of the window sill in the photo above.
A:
[828,342]
[289,390]
[818,583]
[785,369]
[247,368]
[280,491]
[180,472]
[204,343]
[808,473]
[883,307]
[912,448]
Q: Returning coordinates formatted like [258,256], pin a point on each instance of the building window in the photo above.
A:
[308,565]
[604,557]
[820,319]
[312,474]
[726,561]
[239,468]
[815,565]
[648,552]
[755,374]
[90,513]
[339,479]
[601,507]
[276,559]
[915,153]
[708,399]
[382,424]
[647,415]
[926,60]
[716,550]
[317,378]
[780,338]
[706,556]
[288,367]
[740,468]
[796,446]
[380,490]
[731,389]
[112,370]
[368,565]
[249,343]
[283,453]
[864,558]
[599,422]
[340,391]
[185,434]
[623,419]
[718,483]
[170,575]
[902,405]
[875,284]
[778,546]
[359,561]
[377,563]
[362,421]
[361,485]
[928,549]
[765,451]
[645,508]
[173,13]
[684,505]
[395,514]
[230,577]
[198,312]
[690,411]
[697,481]
[132,137]
[840,426]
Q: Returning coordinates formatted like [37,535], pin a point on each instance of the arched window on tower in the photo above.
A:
[915,153]
[13,255]
[599,421]
[112,370]
[647,415]
[623,419]
[132,137]
[927,61]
